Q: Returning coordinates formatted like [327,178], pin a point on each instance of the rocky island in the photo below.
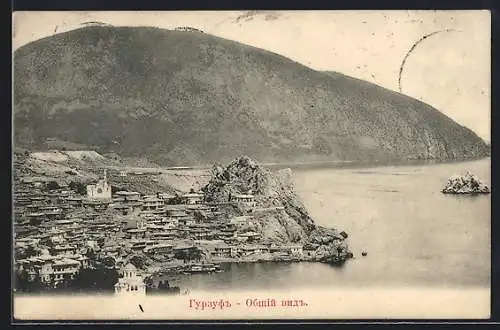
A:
[467,183]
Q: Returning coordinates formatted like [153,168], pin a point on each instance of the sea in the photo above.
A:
[413,235]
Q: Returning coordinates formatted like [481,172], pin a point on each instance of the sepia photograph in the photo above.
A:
[251,165]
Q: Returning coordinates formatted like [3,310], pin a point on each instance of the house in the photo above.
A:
[175,211]
[101,190]
[54,270]
[295,250]
[192,198]
[74,202]
[186,221]
[152,203]
[241,221]
[185,248]
[159,248]
[36,217]
[131,284]
[52,212]
[127,196]
[310,250]
[200,233]
[56,236]
[245,200]
[163,235]
[225,250]
[253,249]
[250,235]
[97,205]
[62,250]
[165,196]
[138,244]
[133,222]
[136,233]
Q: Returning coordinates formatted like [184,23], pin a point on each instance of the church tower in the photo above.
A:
[101,190]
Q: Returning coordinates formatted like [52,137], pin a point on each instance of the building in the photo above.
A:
[101,190]
[127,196]
[131,283]
[225,250]
[244,200]
[152,203]
[192,198]
[136,233]
[74,202]
[159,249]
[165,196]
[62,250]
[296,250]
[56,270]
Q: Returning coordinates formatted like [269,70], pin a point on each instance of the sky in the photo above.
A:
[449,70]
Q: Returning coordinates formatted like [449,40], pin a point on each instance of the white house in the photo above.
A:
[247,200]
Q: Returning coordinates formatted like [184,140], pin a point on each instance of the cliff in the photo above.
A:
[279,215]
[190,98]
[465,184]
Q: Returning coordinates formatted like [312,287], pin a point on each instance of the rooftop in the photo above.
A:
[130,267]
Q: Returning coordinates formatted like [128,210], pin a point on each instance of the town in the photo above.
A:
[65,230]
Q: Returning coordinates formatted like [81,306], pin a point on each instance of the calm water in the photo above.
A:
[414,235]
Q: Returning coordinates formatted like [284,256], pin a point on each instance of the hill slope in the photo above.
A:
[180,98]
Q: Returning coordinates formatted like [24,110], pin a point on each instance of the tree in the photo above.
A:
[78,187]
[138,261]
[52,185]
[189,254]
[100,279]
[108,262]
[90,254]
[30,251]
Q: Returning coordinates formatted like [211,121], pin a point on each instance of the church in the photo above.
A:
[130,283]
[101,190]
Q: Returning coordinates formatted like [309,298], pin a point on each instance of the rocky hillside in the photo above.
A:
[189,98]
[83,167]
[280,215]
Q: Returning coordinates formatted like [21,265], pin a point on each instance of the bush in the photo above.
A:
[52,185]
[78,187]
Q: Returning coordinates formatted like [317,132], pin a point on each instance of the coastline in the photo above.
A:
[202,169]
[178,268]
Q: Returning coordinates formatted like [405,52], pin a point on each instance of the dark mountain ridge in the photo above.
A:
[189,98]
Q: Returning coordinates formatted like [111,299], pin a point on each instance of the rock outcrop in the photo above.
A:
[279,214]
[465,184]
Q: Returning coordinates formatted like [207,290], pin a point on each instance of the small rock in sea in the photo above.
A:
[465,184]
[364,253]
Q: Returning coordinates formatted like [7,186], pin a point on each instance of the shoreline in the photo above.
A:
[178,269]
[348,164]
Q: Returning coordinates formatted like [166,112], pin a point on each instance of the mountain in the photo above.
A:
[190,98]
